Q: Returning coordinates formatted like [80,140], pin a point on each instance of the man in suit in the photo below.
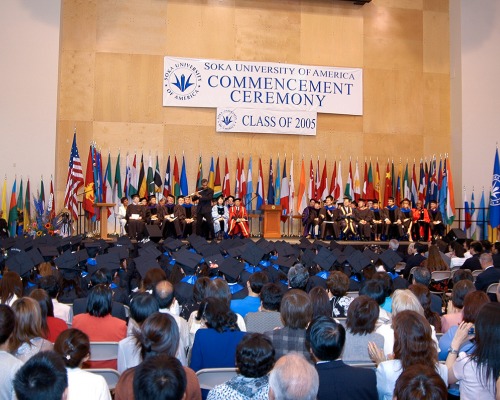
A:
[489,275]
[337,380]
[204,196]
[473,263]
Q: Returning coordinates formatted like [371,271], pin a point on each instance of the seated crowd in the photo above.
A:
[304,321]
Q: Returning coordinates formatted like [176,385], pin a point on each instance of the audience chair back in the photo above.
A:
[110,375]
[103,351]
[211,377]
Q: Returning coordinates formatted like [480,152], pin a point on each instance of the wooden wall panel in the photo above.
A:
[112,67]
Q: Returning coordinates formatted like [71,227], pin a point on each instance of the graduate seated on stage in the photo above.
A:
[238,220]
[311,219]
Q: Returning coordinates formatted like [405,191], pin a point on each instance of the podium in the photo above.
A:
[272,221]
[103,213]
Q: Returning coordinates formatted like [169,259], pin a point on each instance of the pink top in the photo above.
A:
[449,320]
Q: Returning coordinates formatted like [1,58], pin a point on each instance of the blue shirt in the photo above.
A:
[246,305]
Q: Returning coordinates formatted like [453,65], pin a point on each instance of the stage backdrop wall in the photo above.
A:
[111,69]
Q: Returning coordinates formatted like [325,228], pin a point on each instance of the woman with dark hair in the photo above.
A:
[99,324]
[454,314]
[51,326]
[457,255]
[424,297]
[413,344]
[362,317]
[27,339]
[254,360]
[9,363]
[215,347]
[320,302]
[74,347]
[159,335]
[435,262]
[337,285]
[220,216]
[473,303]
[11,288]
[420,382]
[478,373]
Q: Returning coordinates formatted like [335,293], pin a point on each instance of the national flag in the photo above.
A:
[167,182]
[117,186]
[406,184]
[74,181]
[260,186]
[349,191]
[157,178]
[226,185]
[291,190]
[365,181]
[339,184]
[277,187]
[150,179]
[176,186]
[427,181]
[5,210]
[243,180]
[141,185]
[108,185]
[316,182]
[41,195]
[211,175]
[482,232]
[323,184]
[357,184]
[20,206]
[270,187]
[12,219]
[98,177]
[51,206]
[27,206]
[134,178]
[414,190]
[397,197]
[285,195]
[89,194]
[311,188]
[301,193]
[370,187]
[184,181]
[199,175]
[388,184]
[473,212]
[466,223]
[333,180]
[238,177]
[443,191]
[217,180]
[433,182]
[450,194]
[440,175]
[377,193]
[126,183]
[494,209]
[249,195]
[422,183]
[394,179]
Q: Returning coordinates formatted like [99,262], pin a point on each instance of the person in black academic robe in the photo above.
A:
[328,216]
[437,226]
[204,195]
[135,216]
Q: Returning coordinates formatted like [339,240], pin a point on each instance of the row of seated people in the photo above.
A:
[228,217]
[366,219]
[388,339]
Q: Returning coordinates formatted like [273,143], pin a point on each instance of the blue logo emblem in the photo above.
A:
[182,81]
[226,120]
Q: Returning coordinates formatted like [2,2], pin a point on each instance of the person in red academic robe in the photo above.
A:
[238,219]
[421,222]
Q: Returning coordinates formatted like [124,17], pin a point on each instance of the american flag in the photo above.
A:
[74,181]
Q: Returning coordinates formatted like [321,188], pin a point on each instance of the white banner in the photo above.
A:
[266,121]
[190,82]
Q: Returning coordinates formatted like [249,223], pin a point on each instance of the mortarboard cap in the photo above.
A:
[7,243]
[266,245]
[210,249]
[214,259]
[64,244]
[110,261]
[236,251]
[348,250]
[171,244]
[20,263]
[150,251]
[196,241]
[125,242]
[253,254]
[48,251]
[225,245]
[231,268]
[187,260]
[304,243]
[325,258]
[370,254]
[67,260]
[307,258]
[335,245]
[35,256]
[23,243]
[285,249]
[144,263]
[389,258]
[122,252]
[81,255]
[285,262]
[358,261]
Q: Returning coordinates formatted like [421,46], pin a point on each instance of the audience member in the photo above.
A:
[375,290]
[268,316]
[298,276]
[472,263]
[489,275]
[320,302]
[51,326]
[478,373]
[254,359]
[250,303]
[337,380]
[455,307]
[296,314]
[424,297]
[422,275]
[43,377]
[50,284]
[11,288]
[99,324]
[74,348]
[28,336]
[160,377]
[420,382]
[10,364]
[362,318]
[293,378]
[337,285]
[215,347]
